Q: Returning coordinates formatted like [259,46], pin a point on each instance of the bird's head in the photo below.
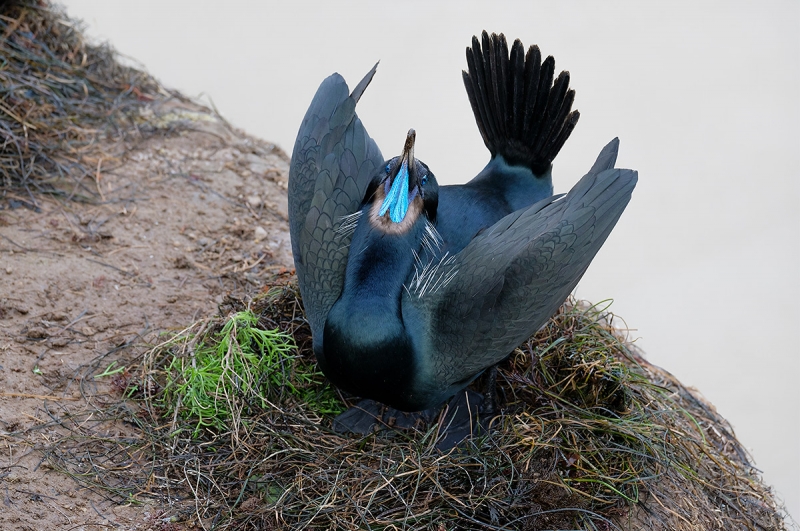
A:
[402,191]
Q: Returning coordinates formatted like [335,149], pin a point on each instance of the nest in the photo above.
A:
[59,98]
[591,437]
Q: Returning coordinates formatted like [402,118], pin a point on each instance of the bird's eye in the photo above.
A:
[387,168]
[424,179]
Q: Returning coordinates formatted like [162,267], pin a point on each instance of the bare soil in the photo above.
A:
[184,219]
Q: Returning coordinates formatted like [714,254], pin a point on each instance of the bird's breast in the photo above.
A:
[367,351]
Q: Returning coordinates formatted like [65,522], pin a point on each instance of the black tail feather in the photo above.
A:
[521,113]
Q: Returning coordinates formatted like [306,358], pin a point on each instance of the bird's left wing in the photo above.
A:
[333,161]
[485,301]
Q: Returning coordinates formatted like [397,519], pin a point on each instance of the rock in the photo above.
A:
[260,233]
[36,332]
[257,164]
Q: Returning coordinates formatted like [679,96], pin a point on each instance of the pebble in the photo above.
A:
[260,233]
[37,332]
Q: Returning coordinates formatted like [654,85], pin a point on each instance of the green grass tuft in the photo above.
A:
[233,373]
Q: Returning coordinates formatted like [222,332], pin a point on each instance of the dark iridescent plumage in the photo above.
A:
[409,312]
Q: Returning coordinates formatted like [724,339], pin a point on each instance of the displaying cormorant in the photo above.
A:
[412,290]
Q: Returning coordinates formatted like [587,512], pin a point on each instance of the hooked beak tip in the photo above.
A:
[408,148]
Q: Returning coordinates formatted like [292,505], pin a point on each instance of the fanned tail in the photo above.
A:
[522,114]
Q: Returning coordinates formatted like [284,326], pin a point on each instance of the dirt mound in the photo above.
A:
[122,214]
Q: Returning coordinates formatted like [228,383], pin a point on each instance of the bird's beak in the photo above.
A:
[408,148]
[396,200]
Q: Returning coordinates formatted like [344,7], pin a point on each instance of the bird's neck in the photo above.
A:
[367,349]
[378,265]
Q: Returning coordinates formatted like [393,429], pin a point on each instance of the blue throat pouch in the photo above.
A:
[396,201]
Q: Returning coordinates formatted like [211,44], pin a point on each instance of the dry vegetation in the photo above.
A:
[60,98]
[591,437]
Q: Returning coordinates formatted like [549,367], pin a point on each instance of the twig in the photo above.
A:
[123,271]
[38,397]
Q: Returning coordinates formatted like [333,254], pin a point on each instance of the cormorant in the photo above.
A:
[412,290]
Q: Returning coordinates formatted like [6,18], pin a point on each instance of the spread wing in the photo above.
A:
[486,300]
[332,163]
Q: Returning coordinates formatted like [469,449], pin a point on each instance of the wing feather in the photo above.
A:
[333,160]
[510,279]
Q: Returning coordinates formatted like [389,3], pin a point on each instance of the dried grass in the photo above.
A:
[591,437]
[60,100]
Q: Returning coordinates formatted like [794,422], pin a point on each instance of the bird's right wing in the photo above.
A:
[486,300]
[333,161]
